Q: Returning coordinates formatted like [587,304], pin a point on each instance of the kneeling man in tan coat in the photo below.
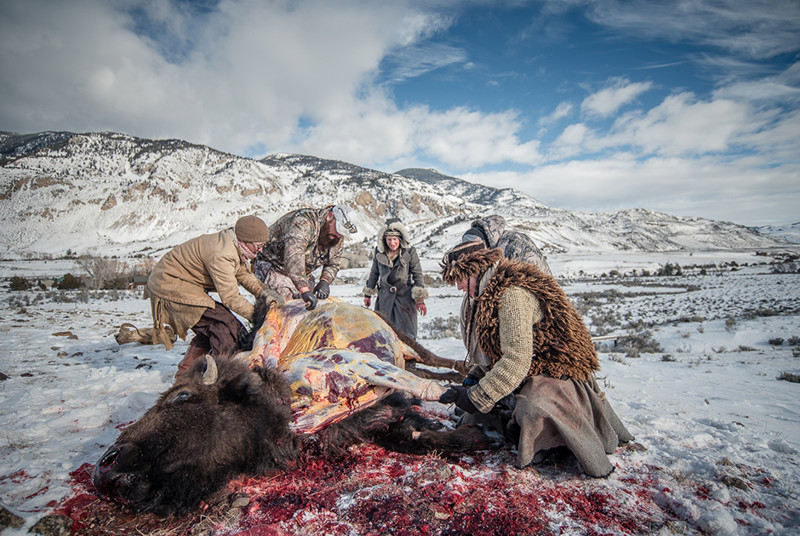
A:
[179,285]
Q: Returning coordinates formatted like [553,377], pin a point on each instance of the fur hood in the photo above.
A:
[467,259]
[393,224]
[489,228]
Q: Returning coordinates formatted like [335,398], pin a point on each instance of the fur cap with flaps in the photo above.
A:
[468,259]
[393,227]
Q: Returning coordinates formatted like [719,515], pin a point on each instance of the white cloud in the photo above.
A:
[255,70]
[410,62]
[749,28]
[56,74]
[609,100]
[681,125]
[373,130]
[460,138]
[781,87]
[465,138]
[778,140]
[706,187]
[562,110]
[571,142]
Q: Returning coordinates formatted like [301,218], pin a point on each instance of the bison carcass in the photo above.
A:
[328,377]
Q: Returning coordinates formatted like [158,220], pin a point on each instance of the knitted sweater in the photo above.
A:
[519,309]
[524,322]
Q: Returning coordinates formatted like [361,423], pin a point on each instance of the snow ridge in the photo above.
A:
[113,194]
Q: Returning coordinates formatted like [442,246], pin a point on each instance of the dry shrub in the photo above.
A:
[19,283]
[102,272]
[789,377]
[638,343]
[112,274]
[442,328]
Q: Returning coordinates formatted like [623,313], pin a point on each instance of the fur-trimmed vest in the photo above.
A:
[562,346]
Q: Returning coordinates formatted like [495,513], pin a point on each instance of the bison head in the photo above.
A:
[221,419]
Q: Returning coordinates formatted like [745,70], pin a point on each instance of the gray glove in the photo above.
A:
[458,394]
[270,295]
[322,290]
[310,299]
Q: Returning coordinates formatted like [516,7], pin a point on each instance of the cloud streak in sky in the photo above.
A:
[749,28]
[608,101]
[253,77]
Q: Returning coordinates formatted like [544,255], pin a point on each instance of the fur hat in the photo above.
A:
[474,233]
[467,259]
[393,227]
[251,229]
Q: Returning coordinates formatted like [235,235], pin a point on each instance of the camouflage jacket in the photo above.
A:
[515,245]
[294,250]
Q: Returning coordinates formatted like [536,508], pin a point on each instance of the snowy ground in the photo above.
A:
[700,391]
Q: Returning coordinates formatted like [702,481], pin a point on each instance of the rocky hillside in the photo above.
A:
[108,193]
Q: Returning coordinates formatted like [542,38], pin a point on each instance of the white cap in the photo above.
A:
[341,214]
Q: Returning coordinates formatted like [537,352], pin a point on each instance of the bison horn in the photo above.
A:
[210,375]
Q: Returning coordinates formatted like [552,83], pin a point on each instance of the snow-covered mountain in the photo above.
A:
[790,233]
[109,193]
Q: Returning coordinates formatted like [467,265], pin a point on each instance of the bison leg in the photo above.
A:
[466,438]
[395,424]
[447,376]
[414,351]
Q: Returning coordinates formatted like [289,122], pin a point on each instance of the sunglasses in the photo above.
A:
[349,226]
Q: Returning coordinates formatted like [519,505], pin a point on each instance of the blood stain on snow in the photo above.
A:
[371,491]
[17,477]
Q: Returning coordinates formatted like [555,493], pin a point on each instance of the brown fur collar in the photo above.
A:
[562,346]
[468,264]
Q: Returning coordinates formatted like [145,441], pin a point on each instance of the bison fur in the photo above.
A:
[203,431]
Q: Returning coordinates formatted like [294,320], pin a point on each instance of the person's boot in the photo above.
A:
[193,353]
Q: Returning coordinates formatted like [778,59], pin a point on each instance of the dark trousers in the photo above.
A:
[216,333]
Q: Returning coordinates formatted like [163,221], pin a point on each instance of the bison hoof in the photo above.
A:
[481,438]
[239,500]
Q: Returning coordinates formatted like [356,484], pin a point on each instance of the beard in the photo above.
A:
[326,240]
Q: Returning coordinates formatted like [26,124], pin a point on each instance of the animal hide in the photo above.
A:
[130,333]
[337,358]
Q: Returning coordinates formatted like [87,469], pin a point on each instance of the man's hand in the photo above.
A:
[422,308]
[310,299]
[270,296]
[458,394]
[367,301]
[470,380]
[322,290]
[505,406]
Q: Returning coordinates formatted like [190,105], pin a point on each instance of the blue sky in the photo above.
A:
[685,107]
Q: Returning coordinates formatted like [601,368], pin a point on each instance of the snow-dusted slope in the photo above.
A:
[627,230]
[717,448]
[108,193]
[99,191]
[790,233]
